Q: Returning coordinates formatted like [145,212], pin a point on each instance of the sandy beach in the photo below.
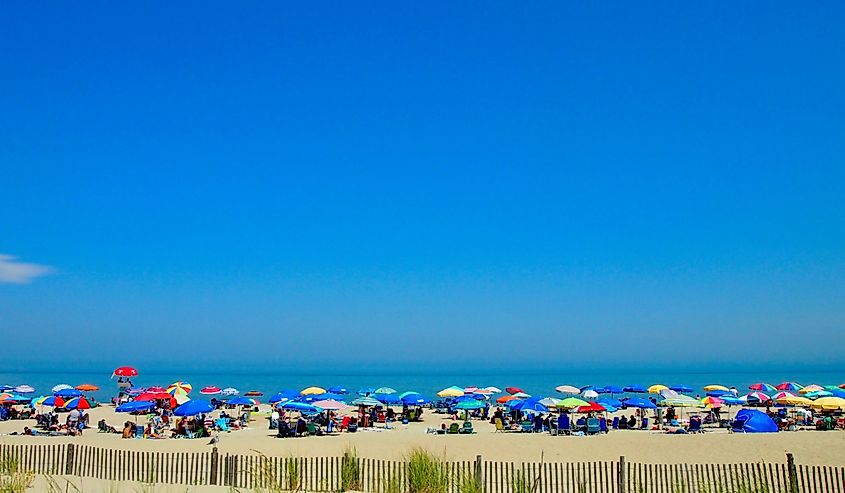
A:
[714,446]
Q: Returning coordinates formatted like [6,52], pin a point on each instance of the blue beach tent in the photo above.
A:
[753,421]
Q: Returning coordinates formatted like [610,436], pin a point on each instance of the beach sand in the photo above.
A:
[714,446]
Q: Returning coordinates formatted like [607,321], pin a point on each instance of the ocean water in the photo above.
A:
[427,383]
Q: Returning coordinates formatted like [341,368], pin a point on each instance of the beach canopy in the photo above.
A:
[753,421]
[135,406]
[451,392]
[87,387]
[210,390]
[366,401]
[312,391]
[657,388]
[125,371]
[65,393]
[571,402]
[183,388]
[829,403]
[568,389]
[193,408]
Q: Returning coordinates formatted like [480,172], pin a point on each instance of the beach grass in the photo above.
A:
[350,473]
[13,478]
[427,473]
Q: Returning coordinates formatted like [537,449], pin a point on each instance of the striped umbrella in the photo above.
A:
[757,397]
[712,401]
[179,388]
[790,386]
[762,387]
[77,403]
[210,390]
[811,388]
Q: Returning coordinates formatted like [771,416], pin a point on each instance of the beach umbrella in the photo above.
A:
[388,398]
[668,393]
[719,393]
[61,386]
[52,401]
[136,390]
[155,389]
[829,403]
[254,393]
[795,400]
[521,395]
[590,394]
[790,386]
[592,407]
[135,406]
[410,392]
[818,393]
[468,390]
[125,371]
[712,401]
[193,408]
[451,392]
[533,405]
[484,391]
[782,395]
[331,405]
[177,388]
[514,390]
[210,390]
[470,404]
[716,387]
[680,401]
[756,397]
[415,399]
[497,390]
[157,396]
[640,403]
[762,387]
[568,389]
[549,401]
[241,401]
[234,391]
[681,388]
[609,389]
[655,389]
[65,393]
[278,398]
[366,401]
[337,389]
[571,403]
[300,406]
[635,389]
[371,390]
[810,388]
[385,390]
[24,389]
[312,391]
[77,403]
[6,388]
[87,387]
[286,394]
[506,398]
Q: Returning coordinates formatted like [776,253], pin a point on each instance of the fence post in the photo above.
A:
[620,475]
[478,477]
[215,464]
[71,456]
[793,473]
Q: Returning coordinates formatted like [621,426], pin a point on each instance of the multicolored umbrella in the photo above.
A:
[210,390]
[77,403]
[712,401]
[790,386]
[51,401]
[782,396]
[180,388]
[762,387]
[125,371]
[810,388]
[757,397]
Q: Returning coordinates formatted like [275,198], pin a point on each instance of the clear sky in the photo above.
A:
[522,184]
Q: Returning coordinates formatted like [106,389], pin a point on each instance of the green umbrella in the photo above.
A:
[385,390]
[470,404]
[572,402]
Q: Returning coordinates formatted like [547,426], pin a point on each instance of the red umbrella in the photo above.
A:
[514,390]
[592,407]
[157,396]
[155,389]
[505,398]
[210,390]
[126,371]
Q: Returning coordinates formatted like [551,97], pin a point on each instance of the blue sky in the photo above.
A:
[423,184]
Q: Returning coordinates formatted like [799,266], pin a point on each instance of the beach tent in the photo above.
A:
[753,421]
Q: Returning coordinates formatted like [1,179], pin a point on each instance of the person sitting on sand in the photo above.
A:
[128,429]
[632,422]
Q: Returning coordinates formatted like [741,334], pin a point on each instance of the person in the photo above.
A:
[632,422]
[623,423]
[72,422]
[274,419]
[128,429]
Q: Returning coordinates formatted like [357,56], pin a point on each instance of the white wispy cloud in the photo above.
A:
[14,271]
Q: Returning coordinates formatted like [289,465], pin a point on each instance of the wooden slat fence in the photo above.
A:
[333,474]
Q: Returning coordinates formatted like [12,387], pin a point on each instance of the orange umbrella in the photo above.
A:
[87,387]
[505,398]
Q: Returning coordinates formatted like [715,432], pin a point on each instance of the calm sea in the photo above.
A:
[535,383]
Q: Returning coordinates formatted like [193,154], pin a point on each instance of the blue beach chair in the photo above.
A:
[593,426]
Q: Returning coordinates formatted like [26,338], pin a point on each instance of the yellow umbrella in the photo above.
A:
[451,392]
[656,389]
[710,388]
[571,402]
[829,403]
[313,391]
[795,400]
[811,388]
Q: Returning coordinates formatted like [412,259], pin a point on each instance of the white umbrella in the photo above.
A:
[495,390]
[549,401]
[568,389]
[590,394]
[61,386]
[230,391]
[331,405]
[24,389]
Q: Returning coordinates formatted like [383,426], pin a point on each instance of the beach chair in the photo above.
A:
[563,426]
[694,425]
[645,424]
[221,424]
[312,429]
[615,424]
[467,428]
[454,429]
[593,426]
[603,425]
[139,431]
[527,426]
[500,427]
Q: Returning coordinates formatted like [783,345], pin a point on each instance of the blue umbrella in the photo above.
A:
[194,407]
[366,391]
[133,406]
[6,388]
[731,400]
[608,402]
[412,399]
[640,403]
[300,406]
[636,389]
[719,393]
[681,388]
[68,393]
[278,398]
[241,401]
[389,398]
[532,404]
[337,389]
[610,389]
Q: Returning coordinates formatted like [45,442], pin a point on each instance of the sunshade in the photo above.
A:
[65,393]
[210,390]
[680,388]
[568,389]
[592,407]
[183,388]
[313,391]
[521,395]
[61,386]
[590,394]
[52,401]
[829,403]
[549,401]
[636,389]
[712,401]
[532,404]
[610,389]
[783,395]
[415,399]
[791,386]
[134,406]
[818,393]
[87,387]
[77,403]
[795,400]
[125,371]
[716,387]
[300,406]
[410,392]
[810,388]
[640,403]
[385,390]
[680,401]
[451,392]
[24,389]
[753,397]
[241,401]
[718,393]
[470,404]
[497,390]
[655,389]
[506,398]
[366,401]
[337,389]
[388,398]
[514,390]
[233,391]
[571,402]
[762,387]
[254,393]
[331,405]
[193,408]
